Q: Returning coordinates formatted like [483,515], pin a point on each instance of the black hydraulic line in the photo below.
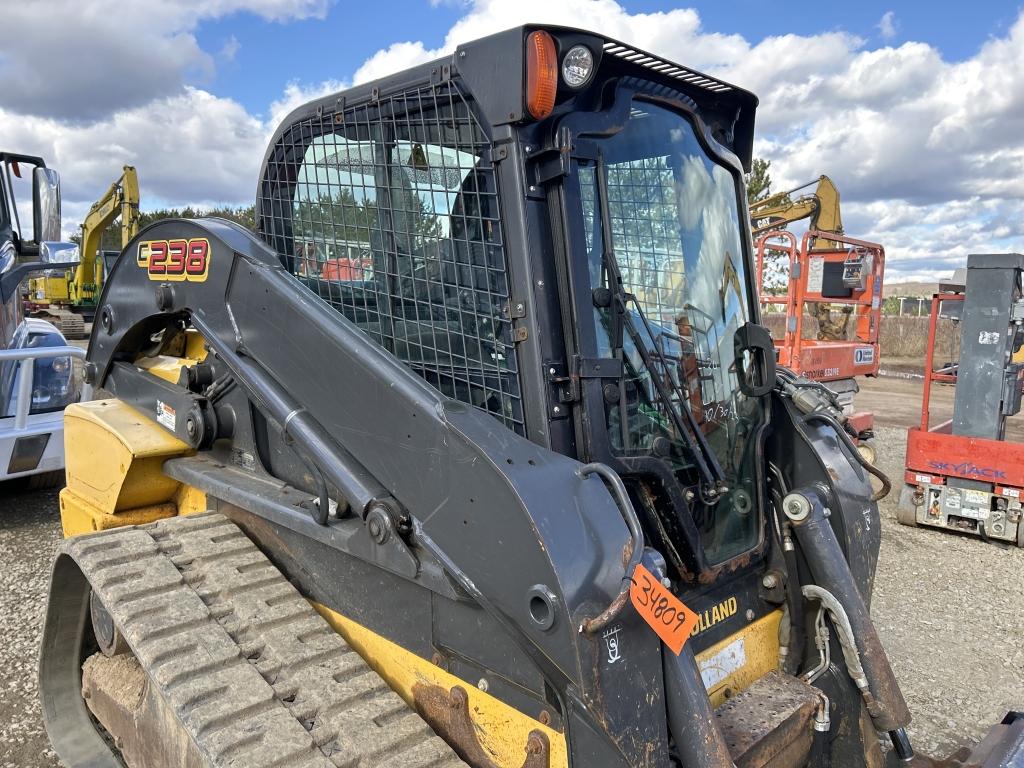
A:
[901,744]
[798,634]
[820,755]
[359,488]
[691,720]
[794,598]
[831,572]
[870,468]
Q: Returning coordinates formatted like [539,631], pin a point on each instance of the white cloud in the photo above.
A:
[296,94]
[83,59]
[230,49]
[926,151]
[887,25]
[209,152]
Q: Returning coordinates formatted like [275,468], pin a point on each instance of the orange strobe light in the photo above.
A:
[541,74]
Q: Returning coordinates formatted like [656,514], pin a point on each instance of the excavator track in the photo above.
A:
[70,324]
[250,672]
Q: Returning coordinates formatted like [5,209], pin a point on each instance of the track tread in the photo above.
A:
[253,673]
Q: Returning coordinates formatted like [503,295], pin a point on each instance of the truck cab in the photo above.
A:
[37,378]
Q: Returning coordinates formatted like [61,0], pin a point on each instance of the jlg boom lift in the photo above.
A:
[523,491]
[831,277]
[964,474]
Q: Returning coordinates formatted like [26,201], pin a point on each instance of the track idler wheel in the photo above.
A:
[108,636]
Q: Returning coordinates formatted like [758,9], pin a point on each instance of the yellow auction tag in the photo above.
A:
[669,618]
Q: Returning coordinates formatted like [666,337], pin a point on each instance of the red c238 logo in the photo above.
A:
[175,260]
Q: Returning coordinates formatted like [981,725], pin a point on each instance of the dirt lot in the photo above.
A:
[947,607]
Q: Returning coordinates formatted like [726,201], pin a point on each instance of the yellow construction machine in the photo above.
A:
[820,206]
[474,453]
[68,298]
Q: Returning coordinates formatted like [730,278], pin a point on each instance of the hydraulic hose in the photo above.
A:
[882,492]
[796,605]
[794,601]
[831,572]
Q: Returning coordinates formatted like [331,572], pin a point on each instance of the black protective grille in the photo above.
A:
[389,212]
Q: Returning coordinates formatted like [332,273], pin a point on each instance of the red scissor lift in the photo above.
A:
[827,268]
[962,482]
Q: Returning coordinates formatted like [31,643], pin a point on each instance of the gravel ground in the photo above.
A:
[29,532]
[947,607]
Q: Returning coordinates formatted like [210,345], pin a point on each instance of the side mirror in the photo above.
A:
[58,254]
[46,205]
[755,359]
[52,254]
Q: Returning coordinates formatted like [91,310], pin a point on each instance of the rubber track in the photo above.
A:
[254,675]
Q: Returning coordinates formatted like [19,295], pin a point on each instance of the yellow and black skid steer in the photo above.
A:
[476,454]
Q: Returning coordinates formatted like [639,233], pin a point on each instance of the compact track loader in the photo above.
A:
[474,455]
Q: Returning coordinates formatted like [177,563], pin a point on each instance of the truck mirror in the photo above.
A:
[45,205]
[58,254]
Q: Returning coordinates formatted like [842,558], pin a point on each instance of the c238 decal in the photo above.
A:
[175,260]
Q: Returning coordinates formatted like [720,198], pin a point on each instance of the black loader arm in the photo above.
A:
[499,531]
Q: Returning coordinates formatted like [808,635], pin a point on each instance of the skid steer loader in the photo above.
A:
[476,455]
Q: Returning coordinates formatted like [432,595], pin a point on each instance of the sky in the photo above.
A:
[915,109]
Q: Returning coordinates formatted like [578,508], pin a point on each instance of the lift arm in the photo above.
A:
[820,206]
[122,198]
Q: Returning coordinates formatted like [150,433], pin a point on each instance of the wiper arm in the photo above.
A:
[712,479]
[685,422]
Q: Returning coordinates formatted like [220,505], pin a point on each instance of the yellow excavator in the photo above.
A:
[67,298]
[820,206]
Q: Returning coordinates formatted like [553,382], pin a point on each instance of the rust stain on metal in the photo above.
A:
[448,714]
[538,750]
[769,724]
[710,575]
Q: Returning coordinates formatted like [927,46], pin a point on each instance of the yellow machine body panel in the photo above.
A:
[49,288]
[114,457]
[501,730]
[737,662]
[168,367]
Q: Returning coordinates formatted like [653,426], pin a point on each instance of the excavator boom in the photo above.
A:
[120,199]
[821,207]
[67,299]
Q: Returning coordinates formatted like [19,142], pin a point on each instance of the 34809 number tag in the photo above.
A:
[664,612]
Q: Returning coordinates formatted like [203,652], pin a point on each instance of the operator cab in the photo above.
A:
[572,257]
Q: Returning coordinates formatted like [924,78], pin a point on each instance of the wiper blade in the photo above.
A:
[712,479]
[685,422]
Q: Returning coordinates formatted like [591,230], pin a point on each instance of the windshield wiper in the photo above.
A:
[712,479]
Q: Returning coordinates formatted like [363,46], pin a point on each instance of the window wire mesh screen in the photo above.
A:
[389,212]
[643,213]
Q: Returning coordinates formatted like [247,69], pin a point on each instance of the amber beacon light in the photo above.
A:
[541,74]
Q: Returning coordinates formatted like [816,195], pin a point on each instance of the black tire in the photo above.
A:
[906,511]
[45,480]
